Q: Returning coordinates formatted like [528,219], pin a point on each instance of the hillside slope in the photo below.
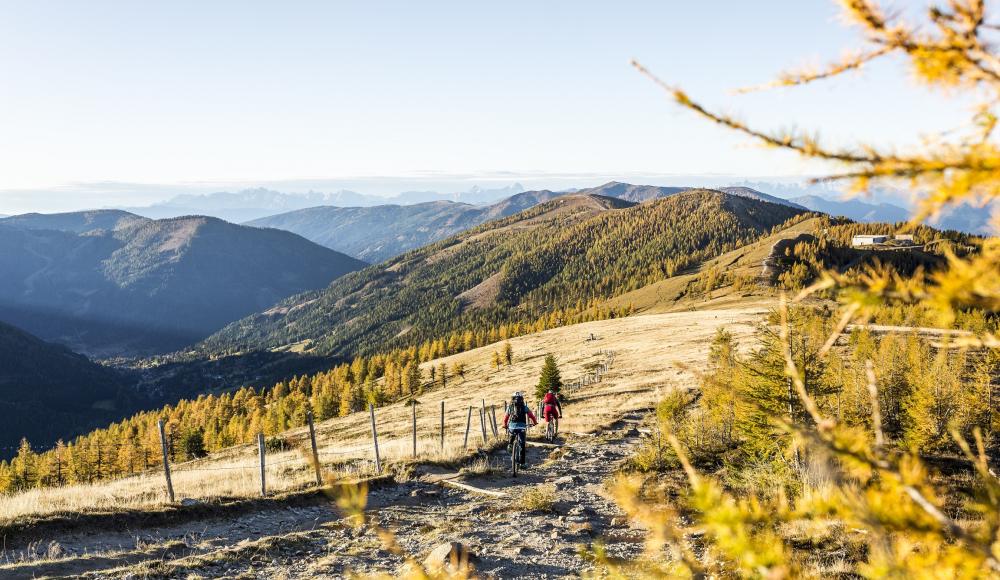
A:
[46,390]
[138,285]
[653,354]
[571,250]
[377,233]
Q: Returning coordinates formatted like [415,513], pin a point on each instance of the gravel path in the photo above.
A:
[313,541]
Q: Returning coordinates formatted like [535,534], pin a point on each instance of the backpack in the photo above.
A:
[519,412]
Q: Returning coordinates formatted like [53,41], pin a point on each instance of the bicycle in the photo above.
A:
[517,449]
[551,429]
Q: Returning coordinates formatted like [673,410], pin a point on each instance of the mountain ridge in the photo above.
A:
[148,285]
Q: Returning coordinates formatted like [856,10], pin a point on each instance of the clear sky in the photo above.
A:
[179,92]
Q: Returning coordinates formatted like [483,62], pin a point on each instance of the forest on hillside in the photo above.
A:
[566,252]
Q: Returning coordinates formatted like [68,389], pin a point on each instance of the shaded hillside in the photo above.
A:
[381,232]
[145,285]
[48,391]
[573,249]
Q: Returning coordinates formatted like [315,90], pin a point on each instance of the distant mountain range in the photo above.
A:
[110,282]
[572,248]
[855,209]
[47,391]
[381,232]
[252,204]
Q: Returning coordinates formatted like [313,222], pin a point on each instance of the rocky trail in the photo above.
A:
[539,528]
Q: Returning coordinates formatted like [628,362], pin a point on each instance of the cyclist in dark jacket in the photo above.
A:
[516,422]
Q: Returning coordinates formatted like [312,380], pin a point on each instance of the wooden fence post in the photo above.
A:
[442,424]
[482,423]
[413,405]
[260,451]
[315,451]
[166,462]
[496,430]
[468,424]
[378,460]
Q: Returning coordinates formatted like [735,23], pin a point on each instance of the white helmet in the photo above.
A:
[518,395]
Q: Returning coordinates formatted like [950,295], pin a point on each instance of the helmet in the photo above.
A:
[517,395]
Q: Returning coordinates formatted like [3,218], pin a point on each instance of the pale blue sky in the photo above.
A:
[239,92]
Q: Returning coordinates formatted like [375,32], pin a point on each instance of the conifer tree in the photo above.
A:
[549,378]
[508,353]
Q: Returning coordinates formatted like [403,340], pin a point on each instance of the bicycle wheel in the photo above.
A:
[515,456]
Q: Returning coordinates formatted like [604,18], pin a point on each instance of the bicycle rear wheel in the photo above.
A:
[515,456]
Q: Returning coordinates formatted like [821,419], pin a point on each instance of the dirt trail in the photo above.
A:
[310,541]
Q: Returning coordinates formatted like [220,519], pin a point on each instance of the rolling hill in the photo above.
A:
[570,250]
[47,391]
[76,222]
[111,283]
[381,232]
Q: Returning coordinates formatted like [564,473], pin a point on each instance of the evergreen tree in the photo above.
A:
[549,378]
[193,443]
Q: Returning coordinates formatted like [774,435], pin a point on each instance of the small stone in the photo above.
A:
[449,556]
[580,528]
[189,501]
[554,535]
[567,481]
[616,522]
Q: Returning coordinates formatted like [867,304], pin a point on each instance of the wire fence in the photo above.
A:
[104,461]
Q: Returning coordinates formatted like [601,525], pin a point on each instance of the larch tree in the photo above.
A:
[884,493]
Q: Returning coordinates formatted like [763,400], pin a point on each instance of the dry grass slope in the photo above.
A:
[646,350]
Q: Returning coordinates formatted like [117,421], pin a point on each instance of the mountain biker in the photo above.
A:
[516,422]
[552,408]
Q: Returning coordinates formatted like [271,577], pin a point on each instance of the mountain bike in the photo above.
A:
[551,429]
[517,449]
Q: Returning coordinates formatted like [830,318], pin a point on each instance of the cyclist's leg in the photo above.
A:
[522,435]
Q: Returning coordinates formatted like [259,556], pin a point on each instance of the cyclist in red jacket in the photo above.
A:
[551,408]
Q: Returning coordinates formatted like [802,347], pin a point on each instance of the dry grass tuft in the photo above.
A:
[539,499]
